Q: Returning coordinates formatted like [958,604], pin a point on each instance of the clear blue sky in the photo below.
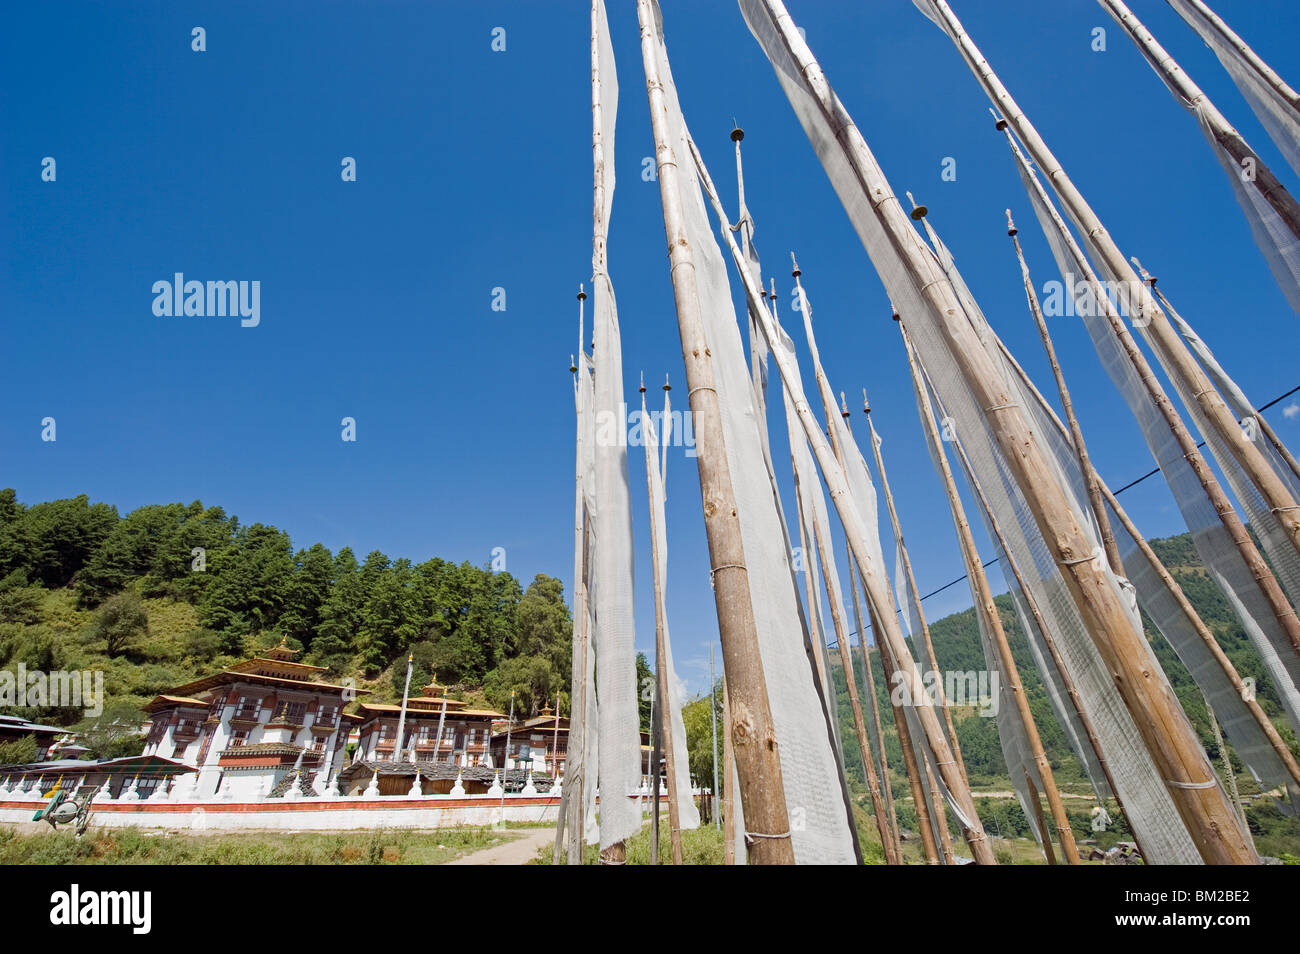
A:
[474,171]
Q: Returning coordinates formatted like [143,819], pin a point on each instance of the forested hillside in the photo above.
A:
[168,592]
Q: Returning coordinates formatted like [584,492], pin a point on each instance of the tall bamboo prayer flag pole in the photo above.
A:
[1195,99]
[1049,640]
[1265,428]
[920,800]
[865,654]
[897,526]
[655,743]
[762,791]
[401,719]
[811,600]
[1075,436]
[985,606]
[1167,734]
[1037,807]
[1229,777]
[1225,664]
[931,659]
[1266,72]
[573,795]
[665,737]
[1263,576]
[713,731]
[856,530]
[855,704]
[728,780]
[1160,332]
[555,740]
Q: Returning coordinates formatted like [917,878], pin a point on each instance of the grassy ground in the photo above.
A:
[703,846]
[131,846]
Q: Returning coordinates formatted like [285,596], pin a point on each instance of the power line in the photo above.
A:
[1131,483]
[1152,473]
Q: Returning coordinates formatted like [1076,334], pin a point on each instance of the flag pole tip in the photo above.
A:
[667,386]
[866,405]
[918,211]
[582,295]
[797,272]
[642,388]
[573,367]
[1011,225]
[737,134]
[1146,276]
[999,122]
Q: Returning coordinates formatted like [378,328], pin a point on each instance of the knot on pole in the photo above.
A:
[753,836]
[742,724]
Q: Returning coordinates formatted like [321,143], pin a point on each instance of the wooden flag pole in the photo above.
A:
[1195,99]
[1261,572]
[1031,602]
[941,818]
[762,790]
[919,801]
[654,773]
[1229,776]
[865,653]
[1211,644]
[931,658]
[665,725]
[728,783]
[1189,611]
[855,704]
[846,662]
[1090,477]
[576,815]
[1266,72]
[1268,585]
[1160,331]
[985,606]
[1037,807]
[1167,734]
[555,740]
[1075,436]
[1267,429]
[856,530]
[815,634]
[940,700]
[713,732]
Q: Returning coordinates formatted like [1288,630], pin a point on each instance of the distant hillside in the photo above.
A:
[957,647]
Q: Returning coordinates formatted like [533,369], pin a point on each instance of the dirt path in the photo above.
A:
[517,851]
[1064,795]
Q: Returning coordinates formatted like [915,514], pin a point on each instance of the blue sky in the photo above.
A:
[474,173]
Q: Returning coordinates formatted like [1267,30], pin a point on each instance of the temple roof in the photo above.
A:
[227,676]
[283,653]
[12,723]
[131,764]
[167,702]
[268,753]
[270,666]
[377,709]
[540,723]
[441,770]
